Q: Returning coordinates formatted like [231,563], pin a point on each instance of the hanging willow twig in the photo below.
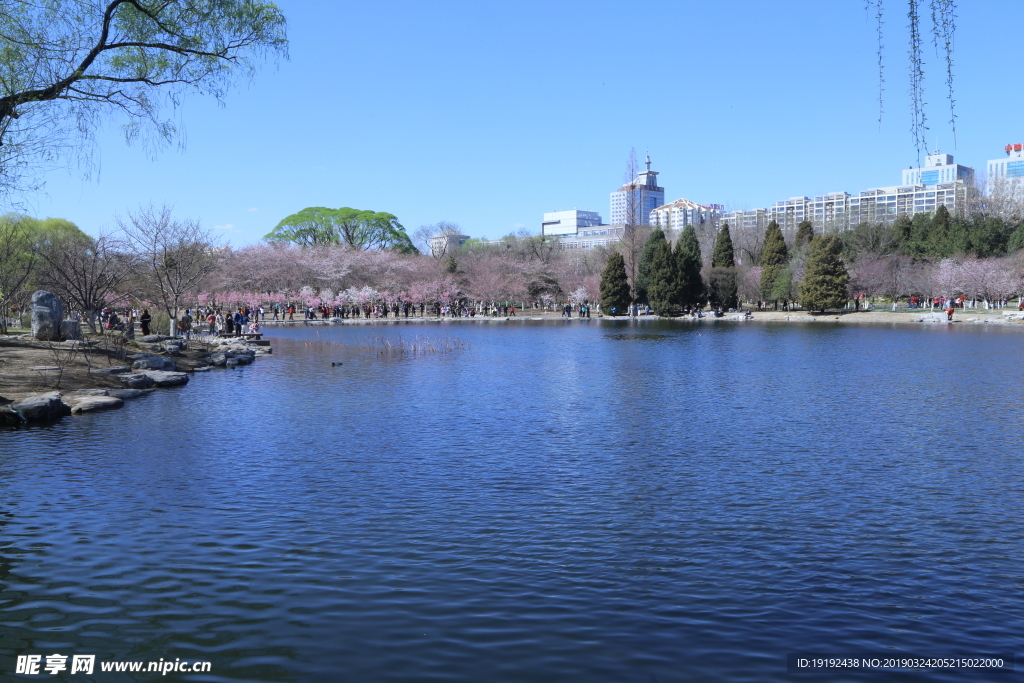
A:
[919,120]
[943,30]
[943,18]
[879,22]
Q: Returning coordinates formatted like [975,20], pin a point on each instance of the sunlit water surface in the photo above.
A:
[585,501]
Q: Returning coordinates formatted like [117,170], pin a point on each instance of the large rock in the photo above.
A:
[166,379]
[91,404]
[155,364]
[70,329]
[135,381]
[116,370]
[10,417]
[44,407]
[47,313]
[125,394]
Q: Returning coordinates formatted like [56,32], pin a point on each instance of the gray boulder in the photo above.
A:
[10,417]
[79,393]
[134,381]
[116,370]
[125,394]
[218,359]
[91,404]
[155,364]
[47,313]
[44,407]
[166,379]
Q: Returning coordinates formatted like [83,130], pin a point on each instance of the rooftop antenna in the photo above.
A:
[648,161]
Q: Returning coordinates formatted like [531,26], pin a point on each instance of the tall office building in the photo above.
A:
[632,204]
[568,222]
[1009,167]
[940,182]
[938,168]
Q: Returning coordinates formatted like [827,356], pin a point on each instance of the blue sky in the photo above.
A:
[489,114]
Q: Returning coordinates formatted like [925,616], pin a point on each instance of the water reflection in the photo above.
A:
[575,501]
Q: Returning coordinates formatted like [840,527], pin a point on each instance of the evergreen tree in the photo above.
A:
[643,268]
[688,265]
[722,278]
[804,235]
[451,266]
[615,287]
[825,280]
[665,294]
[774,257]
[722,256]
[900,233]
[1016,241]
[987,236]
[940,238]
[920,227]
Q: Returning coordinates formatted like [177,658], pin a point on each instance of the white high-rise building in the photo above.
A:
[568,222]
[938,168]
[682,212]
[1010,167]
[632,204]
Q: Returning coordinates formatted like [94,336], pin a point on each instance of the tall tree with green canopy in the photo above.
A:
[722,284]
[774,257]
[22,240]
[665,286]
[1016,241]
[66,64]
[318,225]
[615,297]
[900,231]
[918,244]
[643,269]
[941,237]
[825,280]
[987,236]
[804,235]
[688,265]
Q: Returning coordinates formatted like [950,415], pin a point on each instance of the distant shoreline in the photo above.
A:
[1004,317]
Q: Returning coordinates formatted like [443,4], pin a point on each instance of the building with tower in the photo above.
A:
[633,203]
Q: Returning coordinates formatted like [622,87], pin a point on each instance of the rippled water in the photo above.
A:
[586,501]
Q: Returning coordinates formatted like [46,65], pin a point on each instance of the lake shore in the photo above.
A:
[107,367]
[903,316]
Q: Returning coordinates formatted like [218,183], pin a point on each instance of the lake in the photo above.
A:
[534,501]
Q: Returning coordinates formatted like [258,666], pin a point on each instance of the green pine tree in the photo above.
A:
[804,235]
[825,280]
[920,227]
[900,234]
[615,287]
[774,258]
[940,237]
[665,294]
[722,279]
[688,265]
[450,264]
[643,266]
[723,256]
[1016,241]
[988,236]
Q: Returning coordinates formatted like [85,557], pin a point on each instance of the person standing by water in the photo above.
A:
[144,320]
[949,314]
